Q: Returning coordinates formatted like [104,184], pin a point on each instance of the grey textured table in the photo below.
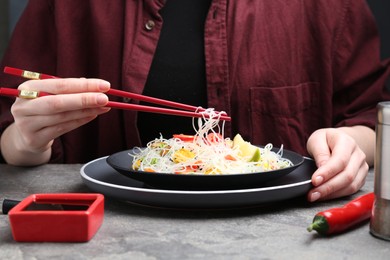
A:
[129,231]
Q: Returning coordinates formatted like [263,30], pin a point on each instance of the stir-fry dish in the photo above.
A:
[206,152]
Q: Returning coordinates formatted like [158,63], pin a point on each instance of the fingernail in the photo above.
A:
[315,196]
[318,180]
[101,99]
[104,86]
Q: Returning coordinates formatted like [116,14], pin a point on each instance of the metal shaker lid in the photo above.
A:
[384,112]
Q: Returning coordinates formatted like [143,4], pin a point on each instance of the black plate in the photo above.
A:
[102,178]
[122,162]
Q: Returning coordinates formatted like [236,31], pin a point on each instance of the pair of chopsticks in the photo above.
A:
[187,110]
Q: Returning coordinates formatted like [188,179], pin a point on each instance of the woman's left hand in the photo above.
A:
[342,166]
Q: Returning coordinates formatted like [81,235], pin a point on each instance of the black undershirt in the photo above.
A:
[177,72]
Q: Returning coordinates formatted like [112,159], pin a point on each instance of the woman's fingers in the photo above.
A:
[74,102]
[43,128]
[341,164]
[67,86]
[345,182]
[58,103]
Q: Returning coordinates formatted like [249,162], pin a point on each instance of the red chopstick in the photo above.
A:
[115,92]
[28,94]
[27,74]
[192,111]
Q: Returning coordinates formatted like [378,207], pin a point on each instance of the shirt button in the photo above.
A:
[149,25]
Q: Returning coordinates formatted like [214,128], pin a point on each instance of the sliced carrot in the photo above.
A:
[230,157]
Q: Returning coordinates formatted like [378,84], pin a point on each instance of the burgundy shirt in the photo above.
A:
[280,69]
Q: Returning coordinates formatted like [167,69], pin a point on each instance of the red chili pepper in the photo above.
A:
[337,220]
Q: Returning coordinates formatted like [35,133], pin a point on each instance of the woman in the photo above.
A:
[303,73]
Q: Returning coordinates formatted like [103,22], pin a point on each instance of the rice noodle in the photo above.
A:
[203,155]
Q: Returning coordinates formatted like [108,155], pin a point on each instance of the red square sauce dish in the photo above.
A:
[59,217]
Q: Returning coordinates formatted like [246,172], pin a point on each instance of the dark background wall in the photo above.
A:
[11,9]
[3,25]
[381,10]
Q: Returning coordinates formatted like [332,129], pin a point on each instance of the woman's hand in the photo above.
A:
[342,156]
[39,121]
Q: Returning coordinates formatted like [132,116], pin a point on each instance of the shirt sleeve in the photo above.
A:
[360,75]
